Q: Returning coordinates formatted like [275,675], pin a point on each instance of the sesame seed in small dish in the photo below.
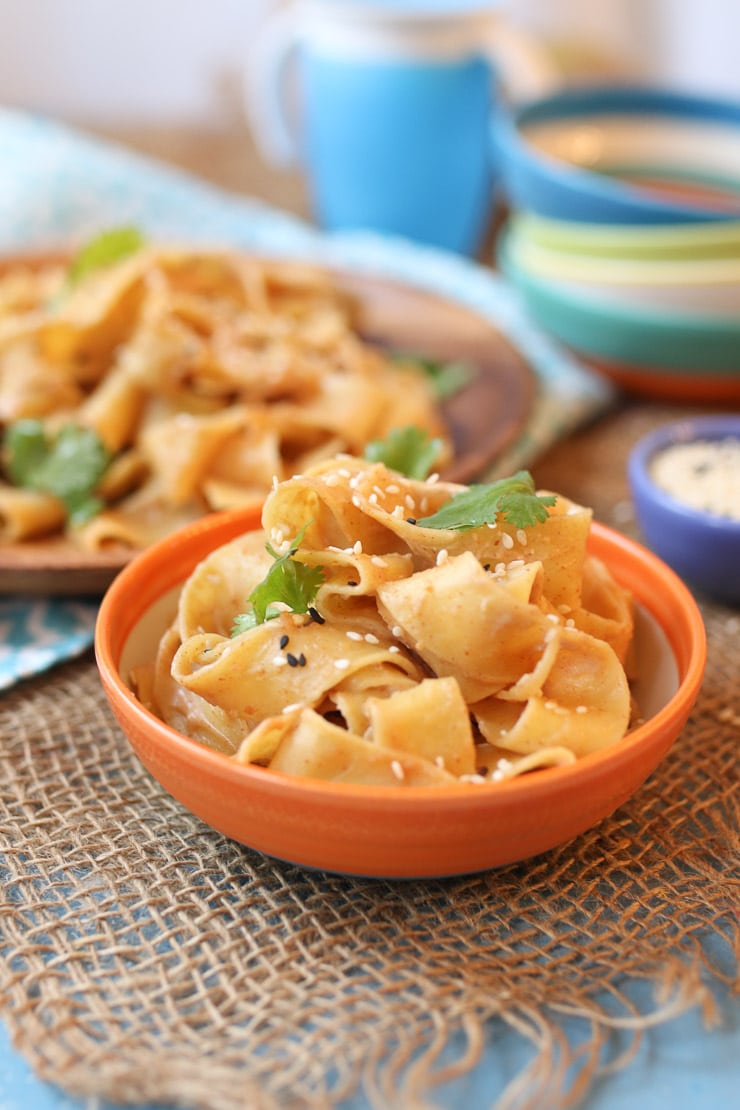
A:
[685,483]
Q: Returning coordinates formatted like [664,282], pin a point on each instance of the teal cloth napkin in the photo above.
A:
[60,186]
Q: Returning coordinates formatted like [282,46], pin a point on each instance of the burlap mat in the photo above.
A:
[145,957]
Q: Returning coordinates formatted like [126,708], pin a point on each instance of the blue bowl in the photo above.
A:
[535,181]
[702,547]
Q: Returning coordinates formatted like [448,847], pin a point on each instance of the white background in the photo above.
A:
[179,62]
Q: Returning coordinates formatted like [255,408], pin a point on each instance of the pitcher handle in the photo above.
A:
[266,89]
[526,68]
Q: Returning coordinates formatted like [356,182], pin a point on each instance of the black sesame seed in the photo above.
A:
[486,566]
[411,520]
[292,661]
[301,660]
[284,641]
[352,583]
[315,615]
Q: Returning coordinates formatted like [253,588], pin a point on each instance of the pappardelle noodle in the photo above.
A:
[382,630]
[141,391]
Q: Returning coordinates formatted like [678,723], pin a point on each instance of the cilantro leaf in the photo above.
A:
[410,451]
[243,622]
[105,249]
[68,466]
[289,581]
[515,499]
[446,378]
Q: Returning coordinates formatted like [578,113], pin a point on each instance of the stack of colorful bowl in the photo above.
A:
[624,237]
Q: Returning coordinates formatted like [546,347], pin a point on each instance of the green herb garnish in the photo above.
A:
[447,378]
[515,499]
[69,466]
[105,249]
[289,581]
[410,451]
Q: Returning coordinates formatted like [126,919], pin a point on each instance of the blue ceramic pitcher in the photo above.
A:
[390,110]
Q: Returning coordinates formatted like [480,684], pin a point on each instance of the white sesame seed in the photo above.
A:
[354,482]
[377,560]
[442,556]
[292,706]
[356,501]
[551,704]
[432,479]
[398,512]
[554,618]
[581,709]
[472,778]
[275,482]
[357,547]
[394,649]
[506,540]
[424,505]
[392,488]
[331,480]
[397,630]
[280,661]
[344,472]
[410,503]
[439,760]
[373,499]
[341,664]
[516,564]
[521,536]
[354,636]
[371,638]
[397,769]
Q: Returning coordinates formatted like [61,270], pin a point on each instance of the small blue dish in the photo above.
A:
[693,191]
[702,547]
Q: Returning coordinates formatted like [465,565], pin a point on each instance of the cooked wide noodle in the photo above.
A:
[206,374]
[429,656]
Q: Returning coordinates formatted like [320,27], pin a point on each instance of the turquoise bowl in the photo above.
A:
[663,343]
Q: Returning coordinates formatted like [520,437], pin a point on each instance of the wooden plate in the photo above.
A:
[483,417]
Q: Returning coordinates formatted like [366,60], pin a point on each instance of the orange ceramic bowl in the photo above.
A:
[399,832]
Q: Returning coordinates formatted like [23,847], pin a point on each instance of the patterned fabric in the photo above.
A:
[59,186]
[34,635]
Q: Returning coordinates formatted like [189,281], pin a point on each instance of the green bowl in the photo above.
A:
[549,261]
[667,342]
[664,242]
